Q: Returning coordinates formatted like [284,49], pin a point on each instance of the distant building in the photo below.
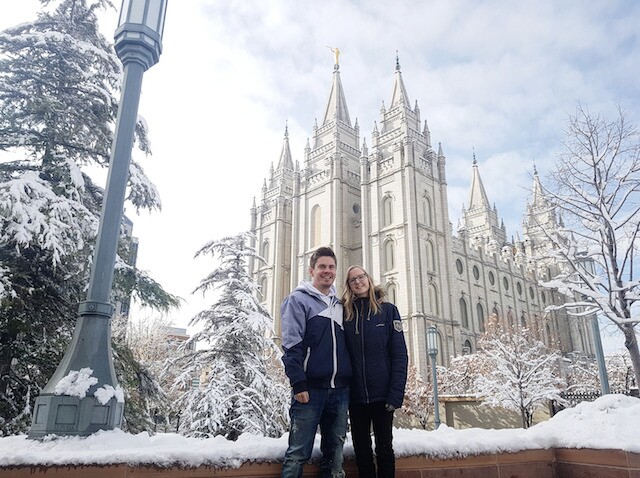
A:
[123,303]
[386,207]
[175,337]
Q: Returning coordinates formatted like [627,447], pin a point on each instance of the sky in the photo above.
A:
[497,78]
[611,422]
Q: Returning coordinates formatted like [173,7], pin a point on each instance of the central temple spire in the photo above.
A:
[337,104]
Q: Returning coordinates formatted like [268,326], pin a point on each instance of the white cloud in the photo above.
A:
[497,76]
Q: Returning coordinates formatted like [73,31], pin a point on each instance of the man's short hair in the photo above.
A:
[321,252]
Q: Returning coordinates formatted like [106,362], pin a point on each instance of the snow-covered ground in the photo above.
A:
[612,421]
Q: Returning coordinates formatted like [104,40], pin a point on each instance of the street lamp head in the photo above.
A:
[432,341]
[139,34]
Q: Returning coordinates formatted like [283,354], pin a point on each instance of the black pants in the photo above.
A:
[362,417]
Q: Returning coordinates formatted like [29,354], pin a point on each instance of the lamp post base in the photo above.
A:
[65,415]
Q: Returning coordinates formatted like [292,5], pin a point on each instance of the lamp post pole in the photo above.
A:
[97,402]
[432,350]
[602,368]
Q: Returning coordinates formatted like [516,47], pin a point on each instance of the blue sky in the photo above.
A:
[497,77]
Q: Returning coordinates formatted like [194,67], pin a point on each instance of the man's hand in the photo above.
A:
[388,407]
[302,397]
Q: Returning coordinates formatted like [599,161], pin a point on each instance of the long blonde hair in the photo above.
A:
[348,297]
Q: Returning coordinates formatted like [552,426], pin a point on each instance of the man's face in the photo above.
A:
[323,273]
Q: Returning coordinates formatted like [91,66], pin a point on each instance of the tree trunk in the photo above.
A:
[7,338]
[631,342]
[523,416]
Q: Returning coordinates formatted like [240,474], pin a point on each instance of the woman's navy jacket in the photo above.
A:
[378,354]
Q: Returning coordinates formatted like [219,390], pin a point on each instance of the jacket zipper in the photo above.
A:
[335,352]
[306,359]
[364,366]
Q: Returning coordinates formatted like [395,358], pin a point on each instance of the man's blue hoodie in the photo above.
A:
[315,354]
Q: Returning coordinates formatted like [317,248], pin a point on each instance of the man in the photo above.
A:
[317,364]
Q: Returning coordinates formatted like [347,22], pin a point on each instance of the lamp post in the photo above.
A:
[602,368]
[432,350]
[98,402]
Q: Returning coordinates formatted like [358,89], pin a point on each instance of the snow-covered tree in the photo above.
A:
[620,372]
[595,187]
[148,338]
[140,351]
[58,80]
[239,384]
[522,372]
[418,397]
[460,377]
[582,375]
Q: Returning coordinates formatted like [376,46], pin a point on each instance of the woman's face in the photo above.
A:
[358,282]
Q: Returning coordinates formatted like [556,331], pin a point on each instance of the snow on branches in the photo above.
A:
[595,186]
[522,373]
[239,385]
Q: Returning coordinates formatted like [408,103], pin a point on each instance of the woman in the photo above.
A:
[373,331]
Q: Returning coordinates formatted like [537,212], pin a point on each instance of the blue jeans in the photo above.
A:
[327,407]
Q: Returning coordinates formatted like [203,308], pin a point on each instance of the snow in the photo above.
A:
[76,383]
[106,392]
[611,422]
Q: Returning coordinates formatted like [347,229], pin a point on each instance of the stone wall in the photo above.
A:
[559,463]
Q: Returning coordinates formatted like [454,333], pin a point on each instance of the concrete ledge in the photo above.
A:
[559,463]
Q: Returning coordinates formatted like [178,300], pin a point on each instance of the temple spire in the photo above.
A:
[285,160]
[399,95]
[337,104]
[477,195]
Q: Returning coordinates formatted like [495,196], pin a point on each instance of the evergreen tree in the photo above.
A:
[58,79]
[239,382]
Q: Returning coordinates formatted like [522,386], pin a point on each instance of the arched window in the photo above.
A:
[466,347]
[264,282]
[480,314]
[548,330]
[431,257]
[387,211]
[316,228]
[389,255]
[428,216]
[392,293]
[433,300]
[264,252]
[510,320]
[464,315]
[523,321]
[495,311]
